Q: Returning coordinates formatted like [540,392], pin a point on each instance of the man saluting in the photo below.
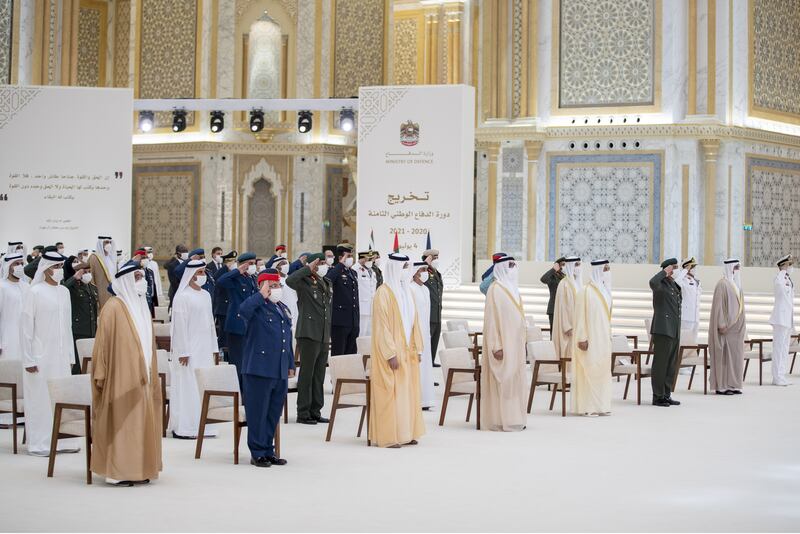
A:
[666,330]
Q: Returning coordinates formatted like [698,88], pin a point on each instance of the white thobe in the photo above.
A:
[422,300]
[46,341]
[782,321]
[591,370]
[12,295]
[193,335]
[153,266]
[690,301]
[367,284]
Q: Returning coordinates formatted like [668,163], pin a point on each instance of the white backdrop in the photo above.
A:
[415,172]
[65,166]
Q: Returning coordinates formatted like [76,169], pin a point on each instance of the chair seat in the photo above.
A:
[293,383]
[631,369]
[74,428]
[550,378]
[694,360]
[225,413]
[168,388]
[794,347]
[5,405]
[354,399]
[753,355]
[463,387]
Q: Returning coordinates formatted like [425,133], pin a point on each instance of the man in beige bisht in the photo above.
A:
[395,412]
[564,311]
[103,265]
[727,332]
[591,356]
[503,376]
[126,396]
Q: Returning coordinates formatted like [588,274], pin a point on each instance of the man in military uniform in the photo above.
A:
[83,301]
[313,333]
[551,279]
[376,268]
[345,314]
[665,331]
[436,288]
[221,298]
[240,285]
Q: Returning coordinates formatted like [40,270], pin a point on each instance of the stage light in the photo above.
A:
[179,120]
[217,121]
[146,121]
[256,120]
[347,119]
[304,121]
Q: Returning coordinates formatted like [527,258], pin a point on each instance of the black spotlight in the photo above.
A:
[179,120]
[611,145]
[146,121]
[585,145]
[256,120]
[636,144]
[304,121]
[347,119]
[624,144]
[217,121]
[572,145]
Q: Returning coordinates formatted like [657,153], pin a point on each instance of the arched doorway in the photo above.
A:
[261,219]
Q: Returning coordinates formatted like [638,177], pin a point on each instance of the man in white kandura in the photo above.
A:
[422,300]
[13,290]
[153,266]
[782,320]
[194,344]
[367,284]
[564,311]
[727,331]
[591,357]
[47,348]
[503,377]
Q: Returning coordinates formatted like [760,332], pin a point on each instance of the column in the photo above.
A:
[710,148]
[492,153]
[532,151]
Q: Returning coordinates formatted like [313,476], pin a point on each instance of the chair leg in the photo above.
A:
[533,386]
[553,397]
[369,404]
[469,406]
[791,368]
[746,365]
[88,431]
[334,407]
[627,383]
[478,400]
[361,423]
[446,397]
[237,429]
[202,431]
[760,372]
[286,409]
[54,441]
[691,378]
[14,419]
[563,389]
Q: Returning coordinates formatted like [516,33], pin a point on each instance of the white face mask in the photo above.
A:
[790,270]
[145,262]
[275,294]
[217,258]
[150,255]
[407,275]
[251,270]
[107,248]
[322,270]
[348,262]
[57,275]
[513,272]
[141,287]
[60,250]
[18,271]
[201,280]
[329,260]
[368,264]
[284,268]
[607,278]
[184,255]
[283,255]
[435,264]
[423,276]
[86,278]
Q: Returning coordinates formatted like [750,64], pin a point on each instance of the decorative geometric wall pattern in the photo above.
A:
[335,183]
[89,21]
[512,199]
[358,45]
[122,35]
[373,105]
[168,48]
[776,63]
[518,26]
[166,200]
[607,52]
[6,12]
[772,206]
[405,51]
[261,213]
[605,206]
[12,99]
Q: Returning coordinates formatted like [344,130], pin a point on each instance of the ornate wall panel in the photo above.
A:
[92,24]
[168,50]
[6,15]
[772,206]
[261,213]
[607,52]
[774,59]
[405,50]
[358,45]
[122,36]
[336,184]
[512,201]
[166,200]
[606,206]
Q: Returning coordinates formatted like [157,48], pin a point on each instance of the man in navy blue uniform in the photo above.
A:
[267,365]
[240,285]
[220,299]
[344,310]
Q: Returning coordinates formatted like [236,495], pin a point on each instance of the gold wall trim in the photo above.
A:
[711,68]
[317,53]
[691,100]
[685,211]
[15,29]
[212,68]
[730,205]
[710,152]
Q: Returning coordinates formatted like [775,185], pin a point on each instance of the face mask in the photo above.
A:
[251,270]
[423,276]
[57,275]
[86,278]
[513,272]
[368,264]
[141,287]
[435,264]
[322,270]
[692,271]
[233,266]
[145,262]
[348,262]
[790,270]
[285,268]
[577,270]
[184,256]
[60,251]
[407,275]
[329,260]
[283,255]
[18,271]
[107,248]
[201,280]
[150,255]
[275,294]
[217,258]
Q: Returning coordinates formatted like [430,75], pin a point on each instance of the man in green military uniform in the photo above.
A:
[375,258]
[551,279]
[314,293]
[665,331]
[83,301]
[436,288]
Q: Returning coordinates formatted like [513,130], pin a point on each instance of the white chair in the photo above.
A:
[11,399]
[71,398]
[689,352]
[533,333]
[462,377]
[162,314]
[455,339]
[85,348]
[530,320]
[622,360]
[364,345]
[351,389]
[219,389]
[457,324]
[163,336]
[753,352]
[547,371]
[165,375]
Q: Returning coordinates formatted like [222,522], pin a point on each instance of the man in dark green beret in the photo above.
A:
[665,331]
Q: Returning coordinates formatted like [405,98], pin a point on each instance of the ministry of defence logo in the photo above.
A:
[409,133]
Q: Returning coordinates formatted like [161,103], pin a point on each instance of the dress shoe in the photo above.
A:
[260,462]
[672,402]
[726,392]
[734,392]
[436,384]
[274,460]
[436,364]
[176,436]
[306,421]
[321,419]
[661,402]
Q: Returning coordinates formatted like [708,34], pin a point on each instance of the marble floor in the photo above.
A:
[712,464]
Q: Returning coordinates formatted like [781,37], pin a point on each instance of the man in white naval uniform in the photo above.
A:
[782,320]
[367,284]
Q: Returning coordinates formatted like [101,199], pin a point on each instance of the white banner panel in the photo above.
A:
[65,166]
[415,173]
